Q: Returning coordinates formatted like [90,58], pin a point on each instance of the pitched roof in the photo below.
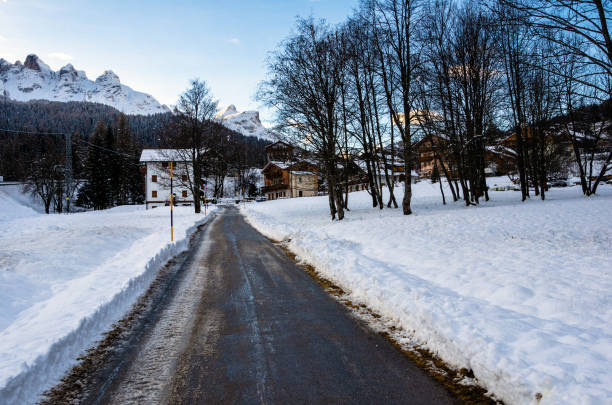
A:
[279,142]
[165,155]
[279,164]
[288,165]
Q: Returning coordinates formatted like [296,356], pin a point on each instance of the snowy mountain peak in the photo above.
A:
[4,64]
[35,80]
[229,110]
[67,68]
[33,62]
[247,122]
[69,73]
[108,77]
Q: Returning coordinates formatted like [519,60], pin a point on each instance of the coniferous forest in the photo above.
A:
[105,148]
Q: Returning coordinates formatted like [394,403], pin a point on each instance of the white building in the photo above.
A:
[156,166]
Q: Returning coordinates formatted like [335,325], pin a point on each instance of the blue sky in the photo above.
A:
[158,46]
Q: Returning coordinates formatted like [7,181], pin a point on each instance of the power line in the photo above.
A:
[67,137]
[68,168]
[107,150]
[33,132]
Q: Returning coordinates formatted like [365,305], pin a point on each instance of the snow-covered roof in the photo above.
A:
[165,155]
[277,163]
[302,172]
[501,150]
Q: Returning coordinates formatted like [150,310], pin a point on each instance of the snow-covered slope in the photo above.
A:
[35,80]
[65,279]
[247,123]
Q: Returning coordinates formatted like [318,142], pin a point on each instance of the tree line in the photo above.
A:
[105,165]
[106,171]
[461,75]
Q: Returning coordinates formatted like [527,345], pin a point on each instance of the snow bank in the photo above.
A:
[517,292]
[15,204]
[65,279]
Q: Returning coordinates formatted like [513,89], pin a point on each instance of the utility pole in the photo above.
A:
[205,199]
[171,206]
[68,170]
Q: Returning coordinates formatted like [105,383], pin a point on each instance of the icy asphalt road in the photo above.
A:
[246,325]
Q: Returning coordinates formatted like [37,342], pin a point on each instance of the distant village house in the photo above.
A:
[285,176]
[156,167]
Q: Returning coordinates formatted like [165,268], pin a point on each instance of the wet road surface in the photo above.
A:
[248,326]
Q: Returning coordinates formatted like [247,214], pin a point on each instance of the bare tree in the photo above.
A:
[582,65]
[577,27]
[459,94]
[194,113]
[46,172]
[398,54]
[359,76]
[305,85]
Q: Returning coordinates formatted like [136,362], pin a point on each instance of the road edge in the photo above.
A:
[80,381]
[460,383]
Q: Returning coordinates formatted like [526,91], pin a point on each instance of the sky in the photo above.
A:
[157,47]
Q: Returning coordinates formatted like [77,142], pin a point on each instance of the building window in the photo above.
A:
[184,193]
[154,193]
[154,178]
[300,193]
[299,179]
[164,164]
[184,177]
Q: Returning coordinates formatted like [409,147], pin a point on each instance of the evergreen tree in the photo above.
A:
[96,192]
[112,165]
[131,181]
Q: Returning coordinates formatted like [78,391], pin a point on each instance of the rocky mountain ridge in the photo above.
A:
[246,122]
[35,80]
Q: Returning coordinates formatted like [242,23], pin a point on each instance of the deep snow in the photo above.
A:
[64,279]
[35,80]
[517,292]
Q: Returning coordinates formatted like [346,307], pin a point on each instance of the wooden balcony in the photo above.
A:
[275,187]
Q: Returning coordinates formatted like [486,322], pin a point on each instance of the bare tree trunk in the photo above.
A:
[602,172]
[408,180]
[442,192]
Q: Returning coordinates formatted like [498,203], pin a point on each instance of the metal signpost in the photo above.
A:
[171,206]
[68,172]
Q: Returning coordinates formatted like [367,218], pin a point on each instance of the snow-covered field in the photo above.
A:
[521,293]
[64,279]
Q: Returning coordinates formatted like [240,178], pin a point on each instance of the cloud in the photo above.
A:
[61,56]
[235,41]
[2,38]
